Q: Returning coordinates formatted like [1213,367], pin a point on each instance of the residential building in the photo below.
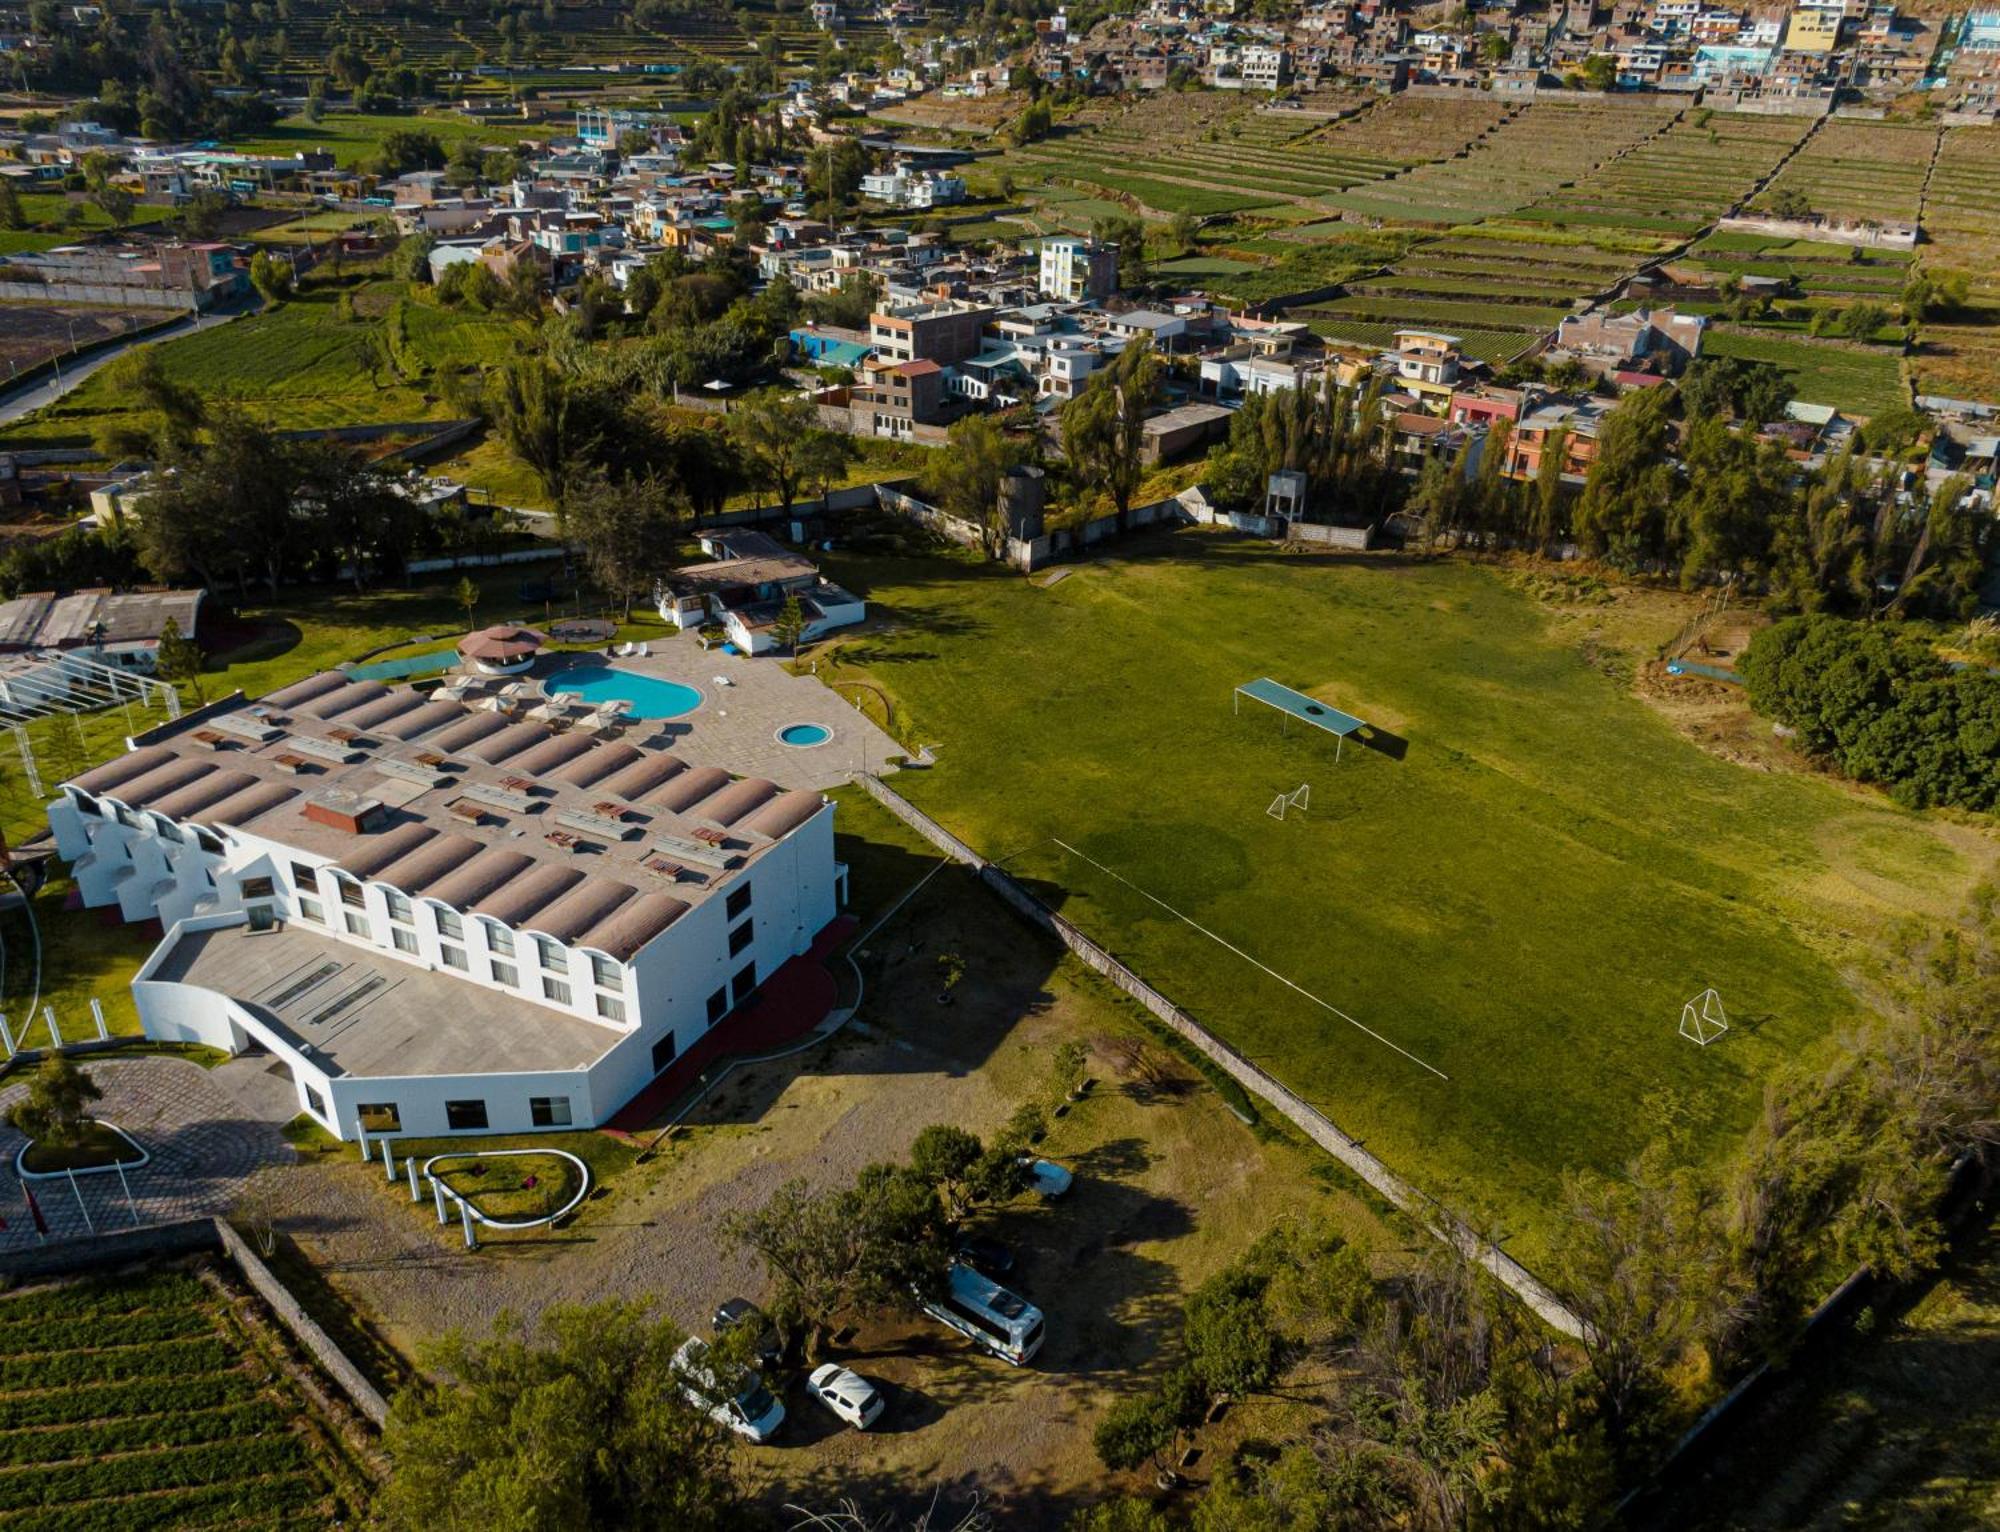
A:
[744,586]
[1078,270]
[942,330]
[439,920]
[1426,364]
[1656,341]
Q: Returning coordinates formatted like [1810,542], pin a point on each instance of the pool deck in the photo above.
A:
[736,726]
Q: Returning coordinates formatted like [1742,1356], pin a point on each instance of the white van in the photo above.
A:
[988,1315]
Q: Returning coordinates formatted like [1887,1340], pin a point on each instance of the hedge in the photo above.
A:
[105,1401]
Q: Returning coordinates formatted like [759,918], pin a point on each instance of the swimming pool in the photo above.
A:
[803,735]
[650,697]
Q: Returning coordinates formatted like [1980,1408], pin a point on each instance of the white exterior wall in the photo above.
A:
[664,989]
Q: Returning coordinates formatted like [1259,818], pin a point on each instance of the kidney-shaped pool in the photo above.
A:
[650,697]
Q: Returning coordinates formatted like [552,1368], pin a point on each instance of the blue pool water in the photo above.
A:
[803,734]
[650,697]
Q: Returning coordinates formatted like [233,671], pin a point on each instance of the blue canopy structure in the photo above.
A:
[1296,704]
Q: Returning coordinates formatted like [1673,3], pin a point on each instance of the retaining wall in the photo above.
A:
[1318,1127]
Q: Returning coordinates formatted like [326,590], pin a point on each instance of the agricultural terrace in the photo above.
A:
[1860,170]
[53,218]
[1523,901]
[1504,281]
[306,363]
[142,1401]
[1828,275]
[1960,356]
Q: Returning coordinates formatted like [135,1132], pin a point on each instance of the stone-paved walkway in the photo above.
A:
[203,1143]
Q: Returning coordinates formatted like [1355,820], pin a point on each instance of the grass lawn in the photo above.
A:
[515,1186]
[1524,900]
[81,958]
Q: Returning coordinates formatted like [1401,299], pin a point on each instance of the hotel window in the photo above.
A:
[304,877]
[554,959]
[170,832]
[399,905]
[461,1115]
[315,1103]
[454,957]
[607,973]
[126,817]
[357,925]
[744,982]
[405,940]
[738,901]
[549,1111]
[505,973]
[381,1117]
[449,924]
[499,940]
[86,805]
[258,888]
[351,894]
[312,909]
[610,1007]
[209,841]
[741,937]
[718,1005]
[663,1053]
[556,990]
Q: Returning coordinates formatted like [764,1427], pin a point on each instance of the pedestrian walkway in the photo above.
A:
[204,1147]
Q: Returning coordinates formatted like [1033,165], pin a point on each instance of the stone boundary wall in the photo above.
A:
[1318,1127]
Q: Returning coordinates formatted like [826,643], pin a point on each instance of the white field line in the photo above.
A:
[1262,967]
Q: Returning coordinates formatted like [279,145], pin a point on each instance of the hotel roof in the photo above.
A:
[600,843]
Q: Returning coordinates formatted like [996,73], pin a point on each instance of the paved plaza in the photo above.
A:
[204,1139]
[736,727]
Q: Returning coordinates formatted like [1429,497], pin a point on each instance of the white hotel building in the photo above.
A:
[439,919]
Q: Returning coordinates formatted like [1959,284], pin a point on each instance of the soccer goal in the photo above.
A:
[1703,1019]
[1294,802]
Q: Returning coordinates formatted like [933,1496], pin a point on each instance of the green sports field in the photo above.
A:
[1524,900]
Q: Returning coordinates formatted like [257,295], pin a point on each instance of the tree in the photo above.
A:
[1103,427]
[180,660]
[1643,1263]
[625,530]
[790,624]
[53,1112]
[777,438]
[965,480]
[271,276]
[1790,202]
[467,593]
[1182,230]
[876,1243]
[1600,71]
[584,1426]
[540,419]
[1143,1429]
[11,216]
[227,510]
[1630,486]
[1545,522]
[1860,321]
[412,258]
[405,149]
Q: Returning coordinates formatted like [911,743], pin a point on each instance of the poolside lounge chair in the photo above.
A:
[645,651]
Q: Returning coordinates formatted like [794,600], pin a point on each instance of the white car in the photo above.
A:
[849,1395]
[1046,1177]
[750,1409]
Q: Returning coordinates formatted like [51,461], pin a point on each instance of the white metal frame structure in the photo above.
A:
[1703,1020]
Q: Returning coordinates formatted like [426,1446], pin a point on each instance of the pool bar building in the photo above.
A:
[437,919]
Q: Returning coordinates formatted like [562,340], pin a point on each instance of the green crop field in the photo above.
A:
[138,1402]
[354,138]
[302,364]
[1523,900]
[1862,382]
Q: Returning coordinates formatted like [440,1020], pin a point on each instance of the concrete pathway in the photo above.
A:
[736,726]
[204,1145]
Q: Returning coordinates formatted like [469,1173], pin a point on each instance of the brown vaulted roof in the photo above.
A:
[377,851]
[634,923]
[584,906]
[519,898]
[300,692]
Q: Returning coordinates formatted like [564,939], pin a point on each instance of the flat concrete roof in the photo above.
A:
[356,1013]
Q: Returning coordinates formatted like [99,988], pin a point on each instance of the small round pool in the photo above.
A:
[804,735]
[650,697]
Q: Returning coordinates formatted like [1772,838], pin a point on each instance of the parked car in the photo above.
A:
[1046,1177]
[849,1395]
[744,1404]
[987,1255]
[741,1313]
